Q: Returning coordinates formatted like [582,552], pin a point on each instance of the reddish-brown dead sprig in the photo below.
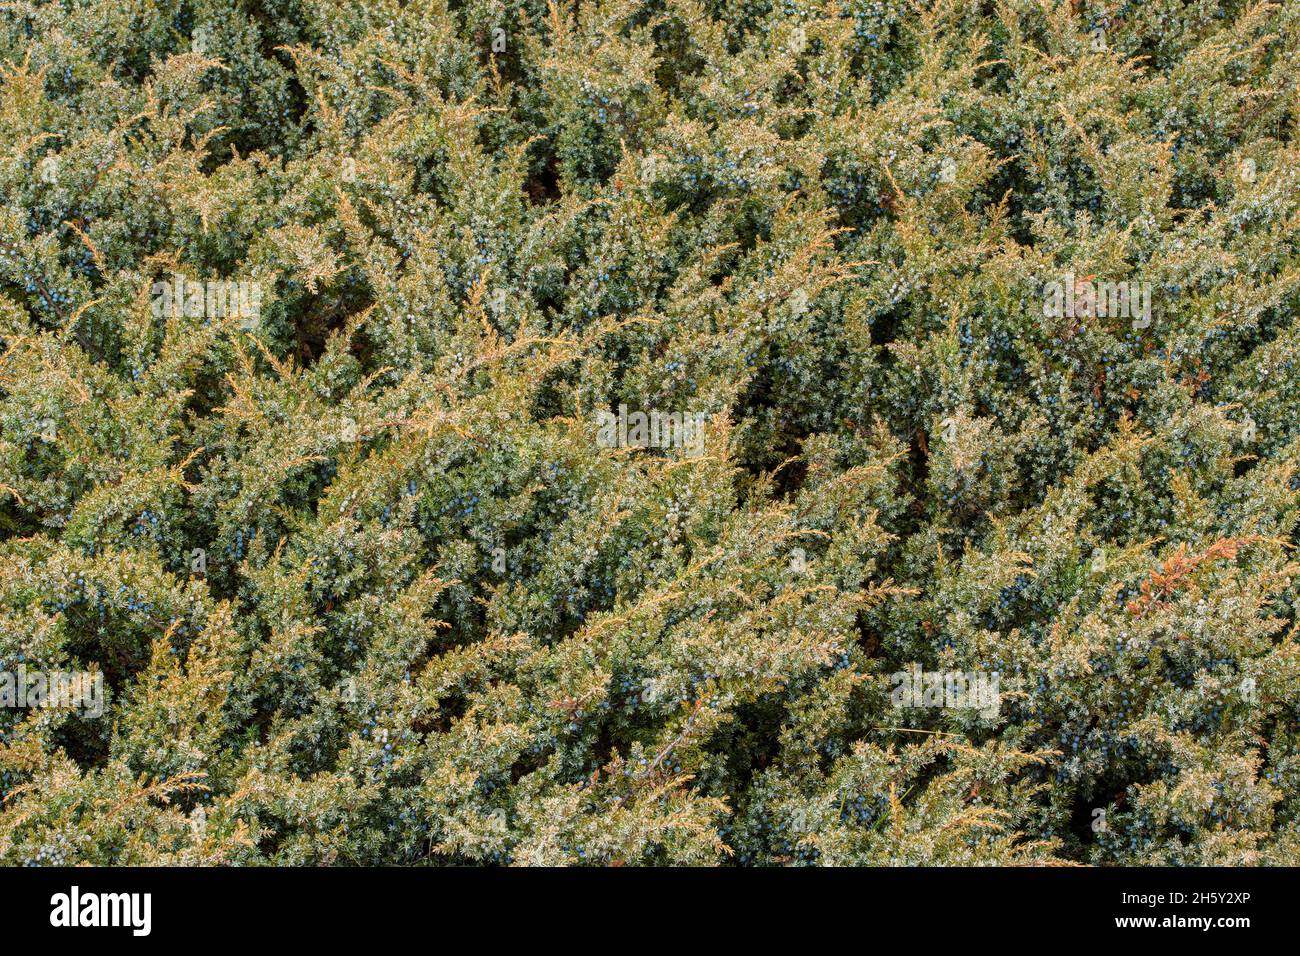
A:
[1160,586]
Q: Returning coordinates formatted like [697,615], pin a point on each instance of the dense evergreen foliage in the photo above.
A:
[377,561]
